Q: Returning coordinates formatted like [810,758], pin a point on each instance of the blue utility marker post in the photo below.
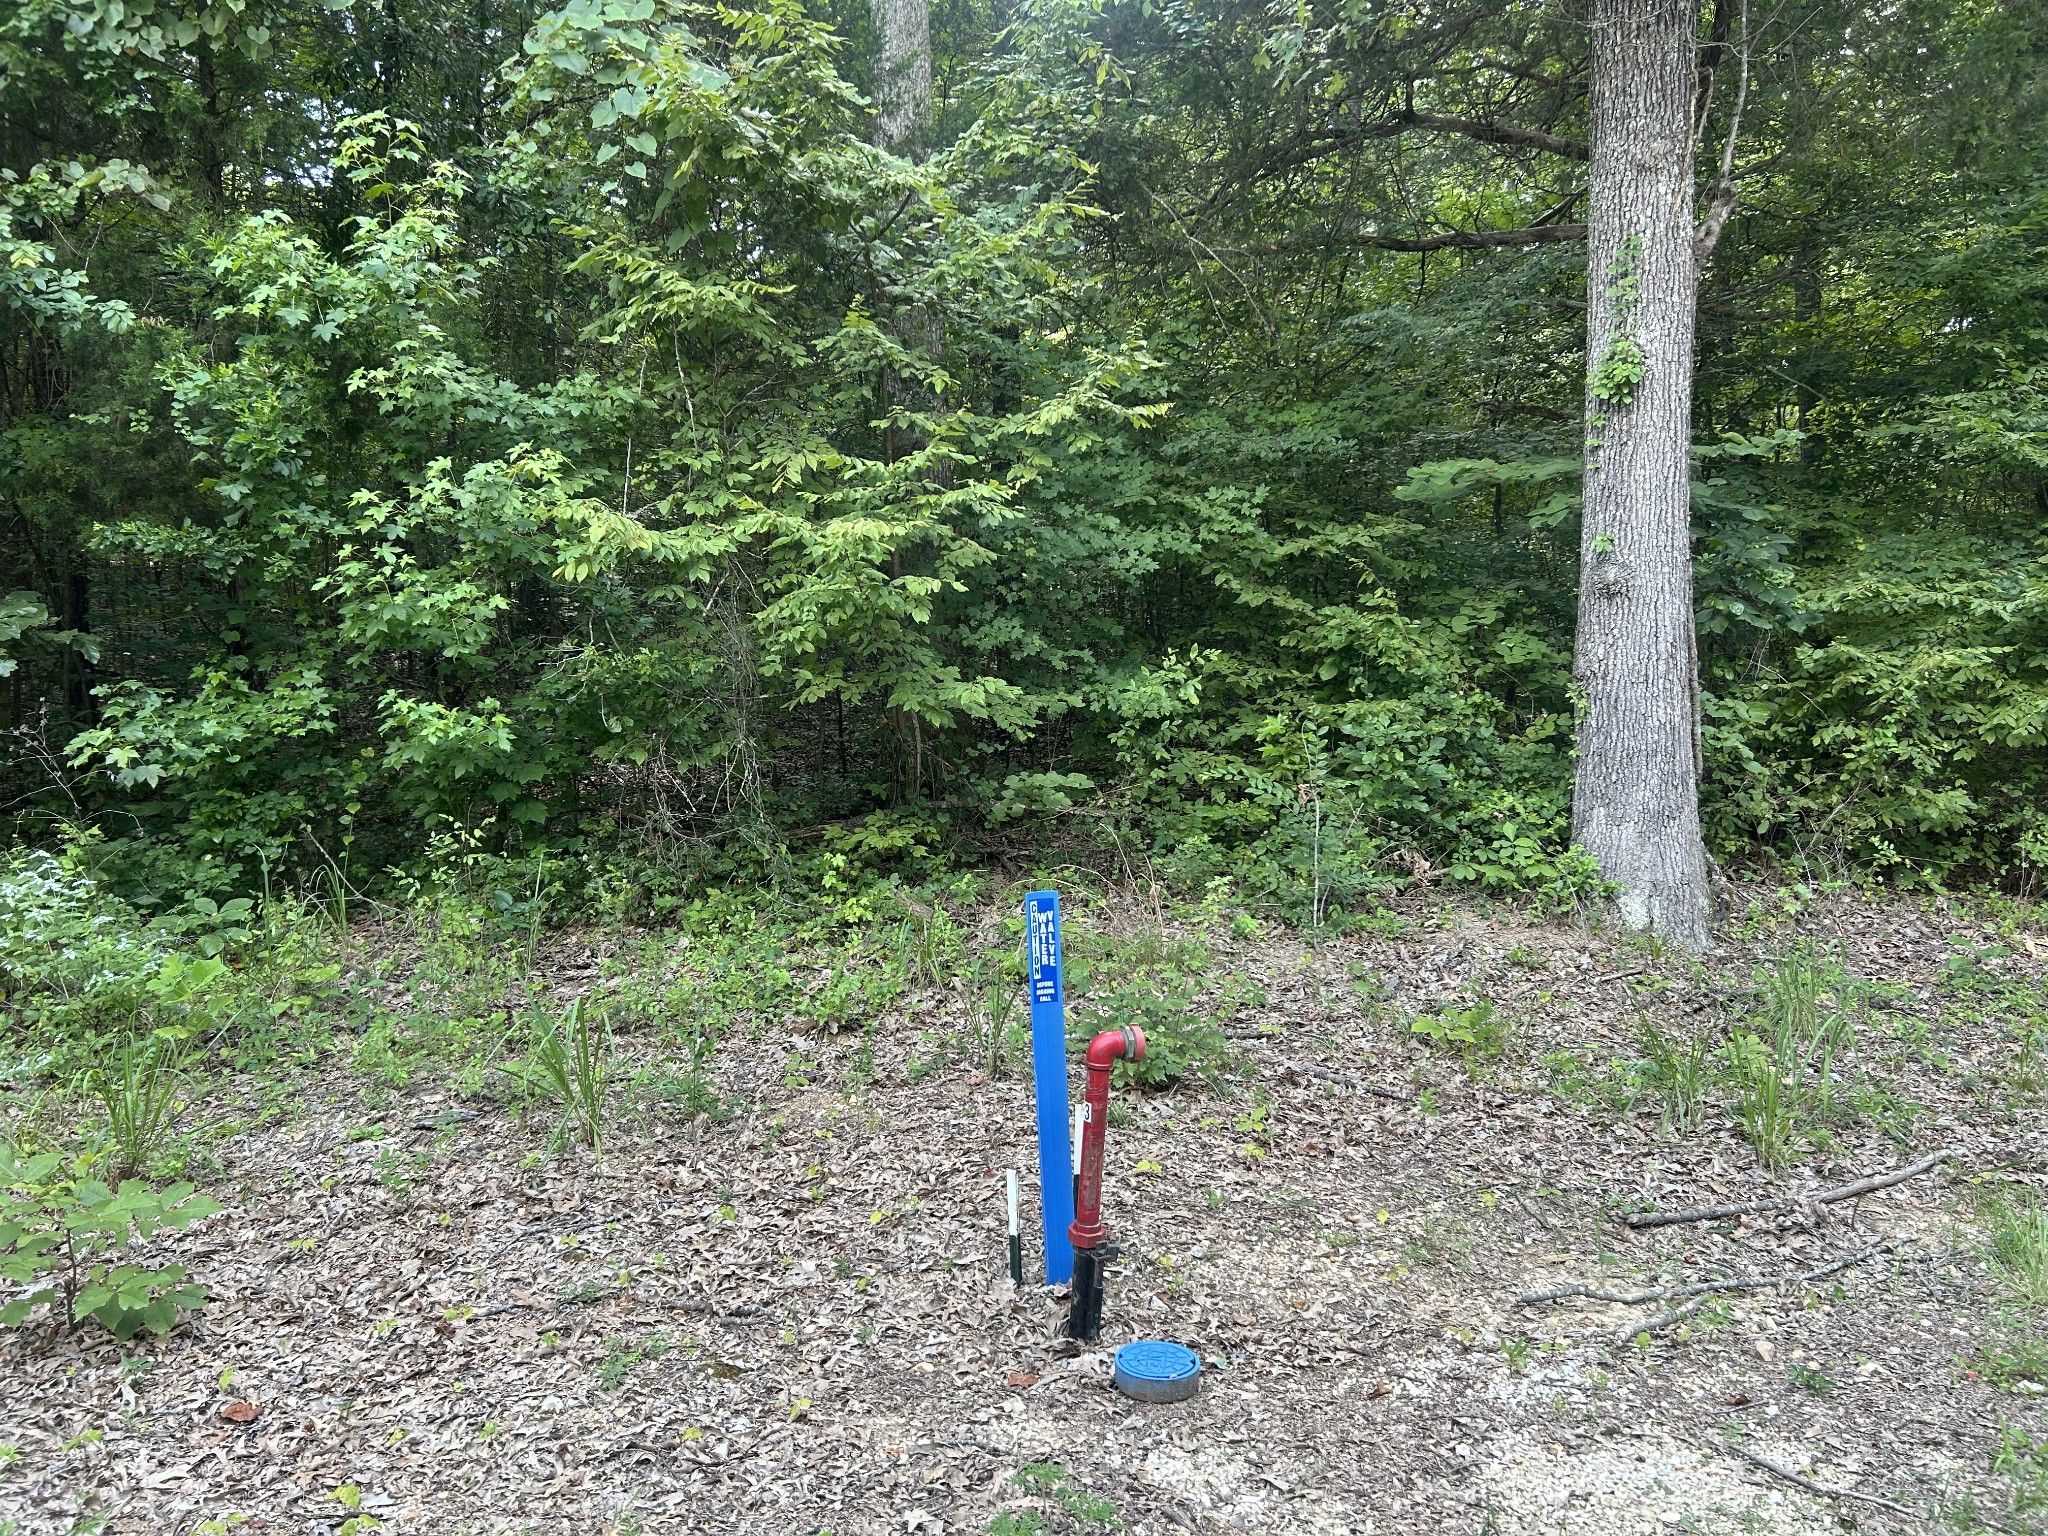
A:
[1049,1070]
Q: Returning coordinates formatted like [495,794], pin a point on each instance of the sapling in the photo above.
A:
[63,1235]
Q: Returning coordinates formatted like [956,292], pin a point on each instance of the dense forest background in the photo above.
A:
[564,438]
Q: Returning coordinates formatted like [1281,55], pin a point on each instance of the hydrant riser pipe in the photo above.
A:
[1092,1252]
[1104,1052]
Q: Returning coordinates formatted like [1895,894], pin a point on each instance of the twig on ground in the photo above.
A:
[709,1309]
[1875,1182]
[1799,1480]
[1530,1211]
[1348,1081]
[1701,1290]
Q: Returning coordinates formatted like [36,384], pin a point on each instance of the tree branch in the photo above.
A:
[1822,1490]
[1473,239]
[1861,1187]
[1498,133]
[1724,198]
[1407,120]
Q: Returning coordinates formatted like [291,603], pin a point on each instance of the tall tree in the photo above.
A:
[1635,801]
[903,73]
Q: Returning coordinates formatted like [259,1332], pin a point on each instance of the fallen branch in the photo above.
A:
[1700,1291]
[1876,1181]
[1348,1081]
[1691,1308]
[1799,1480]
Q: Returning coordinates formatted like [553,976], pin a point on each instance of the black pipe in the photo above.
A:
[1084,1307]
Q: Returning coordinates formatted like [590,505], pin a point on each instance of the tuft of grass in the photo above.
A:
[2019,1246]
[1678,1070]
[572,1058]
[1766,1096]
[2029,1072]
[143,1096]
[1782,1068]
[997,1028]
[2023,1461]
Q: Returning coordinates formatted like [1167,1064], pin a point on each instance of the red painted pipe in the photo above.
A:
[1104,1052]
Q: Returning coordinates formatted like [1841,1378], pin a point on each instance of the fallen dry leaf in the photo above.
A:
[239,1413]
[1022,1379]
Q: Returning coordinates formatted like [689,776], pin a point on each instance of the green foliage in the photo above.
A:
[64,941]
[1475,1032]
[577,441]
[1783,1066]
[1678,1072]
[64,1234]
[1051,1486]
[2022,1364]
[2019,1246]
[2023,1462]
[1160,986]
[571,1060]
[621,1355]
[143,1095]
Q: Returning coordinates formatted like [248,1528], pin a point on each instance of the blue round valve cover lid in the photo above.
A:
[1154,1371]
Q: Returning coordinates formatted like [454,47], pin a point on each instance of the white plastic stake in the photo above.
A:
[1016,1242]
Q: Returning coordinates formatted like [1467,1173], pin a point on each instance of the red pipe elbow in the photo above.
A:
[1114,1045]
[1104,1052]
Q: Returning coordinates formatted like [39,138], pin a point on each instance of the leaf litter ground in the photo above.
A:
[799,1320]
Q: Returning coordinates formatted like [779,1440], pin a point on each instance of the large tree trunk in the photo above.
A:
[903,113]
[903,73]
[1635,803]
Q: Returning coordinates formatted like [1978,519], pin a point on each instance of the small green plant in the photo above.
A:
[1766,1093]
[2023,1461]
[1621,365]
[687,1093]
[996,1023]
[63,1233]
[1807,1379]
[1517,1353]
[571,1058]
[350,1498]
[2022,1363]
[620,1358]
[401,1172]
[586,1294]
[143,1095]
[1439,1238]
[1047,1485]
[2029,1073]
[1474,1033]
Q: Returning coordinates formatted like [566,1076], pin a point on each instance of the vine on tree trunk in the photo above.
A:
[1621,366]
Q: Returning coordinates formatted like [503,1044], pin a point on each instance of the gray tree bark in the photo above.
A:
[903,73]
[1635,800]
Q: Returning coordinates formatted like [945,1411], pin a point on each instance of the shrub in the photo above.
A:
[63,937]
[64,1234]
